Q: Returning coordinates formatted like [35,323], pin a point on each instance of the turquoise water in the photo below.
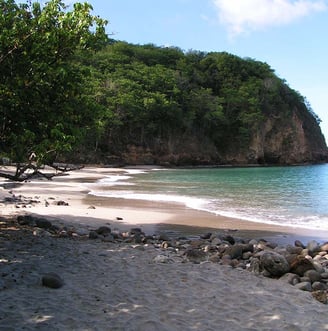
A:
[294,196]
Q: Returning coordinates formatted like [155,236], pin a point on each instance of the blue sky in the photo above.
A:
[289,35]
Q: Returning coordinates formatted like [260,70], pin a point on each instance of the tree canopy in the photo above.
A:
[43,99]
[68,92]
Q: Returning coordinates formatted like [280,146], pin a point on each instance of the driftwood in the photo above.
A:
[31,170]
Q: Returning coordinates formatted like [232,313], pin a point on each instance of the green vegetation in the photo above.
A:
[65,87]
[43,99]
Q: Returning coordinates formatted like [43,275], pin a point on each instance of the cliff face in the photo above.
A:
[281,139]
[293,139]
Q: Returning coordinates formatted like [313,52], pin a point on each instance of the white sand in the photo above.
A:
[119,287]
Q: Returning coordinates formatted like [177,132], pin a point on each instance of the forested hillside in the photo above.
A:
[165,106]
[73,95]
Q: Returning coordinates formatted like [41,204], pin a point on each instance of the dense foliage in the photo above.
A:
[43,104]
[65,87]
[153,94]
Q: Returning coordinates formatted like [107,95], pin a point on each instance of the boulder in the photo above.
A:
[304,286]
[290,278]
[318,286]
[196,255]
[298,243]
[300,265]
[313,247]
[235,251]
[276,264]
[103,230]
[313,275]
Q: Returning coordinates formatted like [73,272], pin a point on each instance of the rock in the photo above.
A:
[82,232]
[247,255]
[321,296]
[229,239]
[304,286]
[62,203]
[135,230]
[137,238]
[196,255]
[103,230]
[290,278]
[294,249]
[254,266]
[25,220]
[274,263]
[216,241]
[300,265]
[324,247]
[248,248]
[108,238]
[318,286]
[215,258]
[163,236]
[52,280]
[298,243]
[206,236]
[313,247]
[235,251]
[313,275]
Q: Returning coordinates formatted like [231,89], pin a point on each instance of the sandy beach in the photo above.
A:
[119,286]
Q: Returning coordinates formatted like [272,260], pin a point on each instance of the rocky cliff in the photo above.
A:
[295,138]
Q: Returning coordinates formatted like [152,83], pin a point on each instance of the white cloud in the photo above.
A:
[240,16]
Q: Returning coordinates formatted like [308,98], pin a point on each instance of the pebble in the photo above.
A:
[52,280]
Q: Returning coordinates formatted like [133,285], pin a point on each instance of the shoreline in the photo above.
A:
[100,284]
[91,211]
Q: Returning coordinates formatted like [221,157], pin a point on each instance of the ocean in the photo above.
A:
[293,196]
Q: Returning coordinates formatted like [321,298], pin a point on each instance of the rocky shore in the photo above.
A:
[303,266]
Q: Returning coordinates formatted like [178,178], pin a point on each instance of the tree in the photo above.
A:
[42,89]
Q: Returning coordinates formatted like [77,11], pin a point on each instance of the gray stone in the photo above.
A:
[104,230]
[216,241]
[247,255]
[82,232]
[298,243]
[304,286]
[318,267]
[235,251]
[274,263]
[108,238]
[290,278]
[196,255]
[52,280]
[313,247]
[294,249]
[313,275]
[318,286]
